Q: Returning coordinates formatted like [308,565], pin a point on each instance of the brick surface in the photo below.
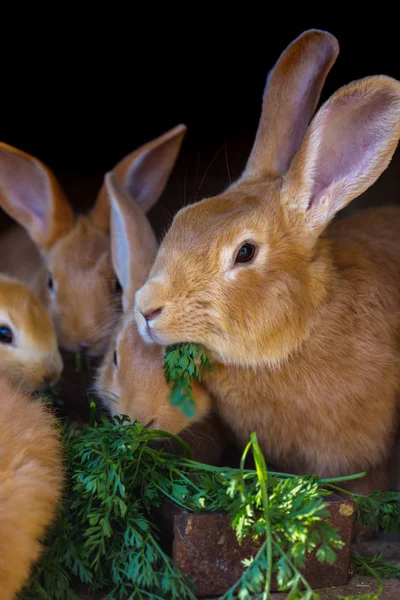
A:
[205,549]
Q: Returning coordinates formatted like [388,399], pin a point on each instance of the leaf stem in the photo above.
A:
[262,474]
[374,574]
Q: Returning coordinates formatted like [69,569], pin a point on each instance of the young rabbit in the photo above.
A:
[29,356]
[131,379]
[300,320]
[30,457]
[30,484]
[76,280]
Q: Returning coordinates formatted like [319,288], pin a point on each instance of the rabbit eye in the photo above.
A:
[50,283]
[6,336]
[246,253]
[115,358]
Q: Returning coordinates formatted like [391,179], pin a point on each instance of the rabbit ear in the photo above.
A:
[30,194]
[290,98]
[348,145]
[133,243]
[144,173]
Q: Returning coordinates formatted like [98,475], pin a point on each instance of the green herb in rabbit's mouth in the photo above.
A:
[182,362]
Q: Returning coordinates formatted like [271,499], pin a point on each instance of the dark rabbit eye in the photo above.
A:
[50,283]
[6,336]
[246,253]
[118,287]
[115,358]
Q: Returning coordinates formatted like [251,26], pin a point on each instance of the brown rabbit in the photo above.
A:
[74,276]
[301,320]
[29,355]
[30,484]
[131,378]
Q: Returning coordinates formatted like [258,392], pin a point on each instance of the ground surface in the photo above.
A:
[362,585]
[357,585]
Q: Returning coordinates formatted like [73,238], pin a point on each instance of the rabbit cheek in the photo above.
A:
[109,390]
[170,420]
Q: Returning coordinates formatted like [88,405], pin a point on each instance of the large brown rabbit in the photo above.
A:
[301,320]
[31,478]
[67,257]
[131,380]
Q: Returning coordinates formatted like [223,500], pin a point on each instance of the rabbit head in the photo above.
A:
[131,379]
[244,273]
[79,284]
[29,356]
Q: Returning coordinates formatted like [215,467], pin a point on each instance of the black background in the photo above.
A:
[81,90]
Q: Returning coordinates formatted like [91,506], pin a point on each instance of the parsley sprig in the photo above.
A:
[182,363]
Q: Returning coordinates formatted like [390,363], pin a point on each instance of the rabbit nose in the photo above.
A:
[152,314]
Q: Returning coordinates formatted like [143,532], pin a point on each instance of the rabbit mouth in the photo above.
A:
[153,335]
[149,335]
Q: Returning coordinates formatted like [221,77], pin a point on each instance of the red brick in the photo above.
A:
[205,549]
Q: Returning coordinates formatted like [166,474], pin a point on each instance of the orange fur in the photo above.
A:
[30,485]
[136,385]
[305,337]
[75,249]
[84,318]
[32,360]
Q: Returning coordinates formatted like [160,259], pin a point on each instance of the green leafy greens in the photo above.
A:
[105,536]
[182,362]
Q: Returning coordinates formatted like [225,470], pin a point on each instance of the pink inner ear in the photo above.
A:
[352,130]
[300,108]
[24,185]
[150,172]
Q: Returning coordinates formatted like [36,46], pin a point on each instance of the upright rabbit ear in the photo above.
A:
[30,194]
[348,145]
[133,243]
[290,98]
[144,173]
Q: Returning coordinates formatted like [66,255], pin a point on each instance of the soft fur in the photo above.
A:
[30,485]
[74,250]
[305,337]
[32,361]
[136,385]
